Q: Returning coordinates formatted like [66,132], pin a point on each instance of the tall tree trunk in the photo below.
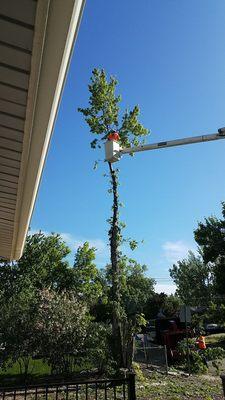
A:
[114,238]
[122,332]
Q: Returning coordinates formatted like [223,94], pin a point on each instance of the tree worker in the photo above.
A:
[202,348]
[114,136]
[201,343]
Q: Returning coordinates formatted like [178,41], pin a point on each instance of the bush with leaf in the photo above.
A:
[98,348]
[199,358]
[61,327]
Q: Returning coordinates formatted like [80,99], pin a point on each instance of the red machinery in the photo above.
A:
[170,331]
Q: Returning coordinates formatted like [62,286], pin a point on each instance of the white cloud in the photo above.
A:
[74,242]
[166,288]
[175,251]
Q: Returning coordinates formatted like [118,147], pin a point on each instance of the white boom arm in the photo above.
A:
[113,151]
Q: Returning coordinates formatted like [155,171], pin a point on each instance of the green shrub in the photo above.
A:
[199,358]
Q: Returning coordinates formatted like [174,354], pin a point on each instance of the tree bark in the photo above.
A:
[114,238]
[121,331]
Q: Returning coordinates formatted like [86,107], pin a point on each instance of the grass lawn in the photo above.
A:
[39,371]
[155,386]
[37,368]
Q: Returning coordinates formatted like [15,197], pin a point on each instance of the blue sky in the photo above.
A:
[169,58]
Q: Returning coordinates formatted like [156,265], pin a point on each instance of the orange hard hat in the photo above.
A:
[114,136]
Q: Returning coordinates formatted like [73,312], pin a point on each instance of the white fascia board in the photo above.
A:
[56,31]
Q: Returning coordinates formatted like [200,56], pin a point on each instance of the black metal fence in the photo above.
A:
[105,389]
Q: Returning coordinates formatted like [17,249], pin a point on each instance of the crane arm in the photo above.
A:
[114,151]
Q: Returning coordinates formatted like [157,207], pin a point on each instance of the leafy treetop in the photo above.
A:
[187,271]
[87,279]
[103,113]
[210,236]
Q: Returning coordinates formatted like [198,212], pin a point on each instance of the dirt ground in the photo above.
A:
[157,386]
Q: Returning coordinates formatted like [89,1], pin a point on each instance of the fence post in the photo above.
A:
[166,359]
[131,387]
[223,383]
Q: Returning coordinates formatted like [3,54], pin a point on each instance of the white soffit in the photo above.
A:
[36,41]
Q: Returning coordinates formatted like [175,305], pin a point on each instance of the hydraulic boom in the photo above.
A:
[113,151]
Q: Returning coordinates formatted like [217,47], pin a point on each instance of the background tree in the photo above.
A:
[43,265]
[44,261]
[171,305]
[138,287]
[102,116]
[161,302]
[193,279]
[215,313]
[61,328]
[210,236]
[17,326]
[8,276]
[88,284]
[44,324]
[63,313]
